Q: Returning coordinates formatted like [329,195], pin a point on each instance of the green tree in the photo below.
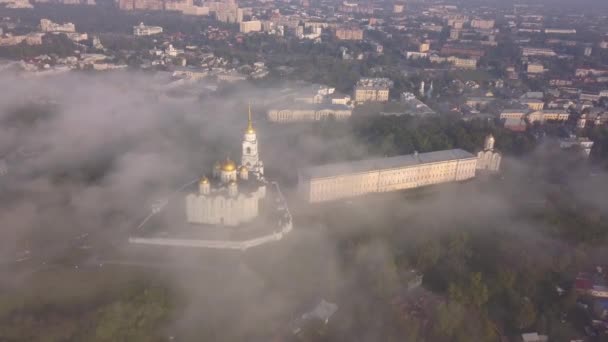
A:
[135,319]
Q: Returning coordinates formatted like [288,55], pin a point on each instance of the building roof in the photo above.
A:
[367,165]
[310,106]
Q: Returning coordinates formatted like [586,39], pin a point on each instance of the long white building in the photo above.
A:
[350,179]
[299,113]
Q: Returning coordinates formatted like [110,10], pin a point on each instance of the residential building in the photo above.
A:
[544,52]
[372,90]
[482,24]
[349,33]
[414,106]
[535,68]
[559,31]
[533,104]
[143,30]
[517,114]
[463,63]
[424,47]
[548,114]
[34,38]
[251,26]
[49,26]
[585,144]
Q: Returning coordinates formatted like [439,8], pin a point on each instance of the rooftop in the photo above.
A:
[360,166]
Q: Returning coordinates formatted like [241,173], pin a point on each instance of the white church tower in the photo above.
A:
[250,155]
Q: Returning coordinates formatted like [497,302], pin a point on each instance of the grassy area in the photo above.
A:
[70,289]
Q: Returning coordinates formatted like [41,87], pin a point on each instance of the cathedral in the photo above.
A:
[488,159]
[232,194]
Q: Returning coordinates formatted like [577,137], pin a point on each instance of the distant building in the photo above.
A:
[548,114]
[398,8]
[535,68]
[143,30]
[462,50]
[455,33]
[34,38]
[515,125]
[151,5]
[49,26]
[349,33]
[416,55]
[533,104]
[559,31]
[315,112]
[457,62]
[251,26]
[544,52]
[479,101]
[585,144]
[414,106]
[463,63]
[482,24]
[517,114]
[534,337]
[424,47]
[349,179]
[372,90]
[186,7]
[229,14]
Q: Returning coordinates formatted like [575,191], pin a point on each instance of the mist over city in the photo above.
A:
[304,170]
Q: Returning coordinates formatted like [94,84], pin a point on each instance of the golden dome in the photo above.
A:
[250,129]
[228,165]
[204,180]
[243,168]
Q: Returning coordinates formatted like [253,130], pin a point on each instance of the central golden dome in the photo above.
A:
[228,165]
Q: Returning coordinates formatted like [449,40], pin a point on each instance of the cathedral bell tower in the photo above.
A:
[250,157]
[488,144]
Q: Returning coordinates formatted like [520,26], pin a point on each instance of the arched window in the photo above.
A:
[248,150]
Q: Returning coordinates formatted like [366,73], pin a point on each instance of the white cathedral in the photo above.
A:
[231,196]
[488,159]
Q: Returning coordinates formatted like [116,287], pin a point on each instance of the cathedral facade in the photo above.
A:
[488,159]
[232,195]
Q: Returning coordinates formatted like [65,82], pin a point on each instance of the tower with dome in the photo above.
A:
[231,195]
[488,159]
